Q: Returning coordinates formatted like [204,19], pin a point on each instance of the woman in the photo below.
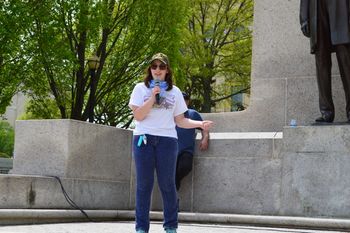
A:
[157,106]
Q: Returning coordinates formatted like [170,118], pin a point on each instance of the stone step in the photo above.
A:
[34,216]
[40,192]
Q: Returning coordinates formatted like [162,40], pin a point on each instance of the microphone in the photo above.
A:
[157,84]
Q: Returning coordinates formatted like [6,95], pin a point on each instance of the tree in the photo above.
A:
[62,35]
[217,43]
[13,62]
[6,139]
[41,109]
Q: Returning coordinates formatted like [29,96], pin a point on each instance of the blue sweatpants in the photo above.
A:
[159,154]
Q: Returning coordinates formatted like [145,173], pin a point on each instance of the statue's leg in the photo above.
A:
[343,57]
[324,65]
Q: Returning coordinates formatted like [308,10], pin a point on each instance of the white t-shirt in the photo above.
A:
[160,120]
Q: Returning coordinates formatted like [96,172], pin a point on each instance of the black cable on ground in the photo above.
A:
[69,200]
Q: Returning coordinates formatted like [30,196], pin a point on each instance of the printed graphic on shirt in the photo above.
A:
[166,102]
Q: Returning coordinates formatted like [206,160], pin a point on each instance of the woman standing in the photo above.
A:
[157,107]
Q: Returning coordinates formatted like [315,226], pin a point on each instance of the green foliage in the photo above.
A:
[6,139]
[41,109]
[217,44]
[46,44]
[56,38]
[13,61]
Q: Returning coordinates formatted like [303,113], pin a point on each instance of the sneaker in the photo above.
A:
[140,231]
[170,230]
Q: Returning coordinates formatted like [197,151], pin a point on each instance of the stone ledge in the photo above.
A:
[316,139]
[36,192]
[243,135]
[25,216]
[242,145]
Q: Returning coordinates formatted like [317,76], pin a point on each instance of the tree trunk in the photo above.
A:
[80,81]
[206,107]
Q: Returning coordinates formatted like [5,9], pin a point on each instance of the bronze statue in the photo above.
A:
[326,23]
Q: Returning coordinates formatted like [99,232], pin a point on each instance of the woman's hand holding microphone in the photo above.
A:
[155,92]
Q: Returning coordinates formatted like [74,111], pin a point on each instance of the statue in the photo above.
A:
[326,23]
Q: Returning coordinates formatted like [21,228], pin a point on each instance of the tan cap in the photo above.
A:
[161,57]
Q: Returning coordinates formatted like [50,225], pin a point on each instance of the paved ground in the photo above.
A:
[156,227]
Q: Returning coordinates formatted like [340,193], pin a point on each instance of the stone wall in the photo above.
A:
[300,172]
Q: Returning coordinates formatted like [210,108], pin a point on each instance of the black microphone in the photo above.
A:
[157,84]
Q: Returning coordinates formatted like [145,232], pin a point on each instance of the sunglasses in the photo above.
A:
[161,66]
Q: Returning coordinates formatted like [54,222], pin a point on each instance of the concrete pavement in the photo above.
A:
[156,227]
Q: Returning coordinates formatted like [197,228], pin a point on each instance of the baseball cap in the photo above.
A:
[161,57]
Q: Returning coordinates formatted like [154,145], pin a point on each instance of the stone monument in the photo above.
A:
[283,79]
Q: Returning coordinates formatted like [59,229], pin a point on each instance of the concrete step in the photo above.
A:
[30,216]
[40,192]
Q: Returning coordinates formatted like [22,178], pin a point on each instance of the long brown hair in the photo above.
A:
[168,77]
